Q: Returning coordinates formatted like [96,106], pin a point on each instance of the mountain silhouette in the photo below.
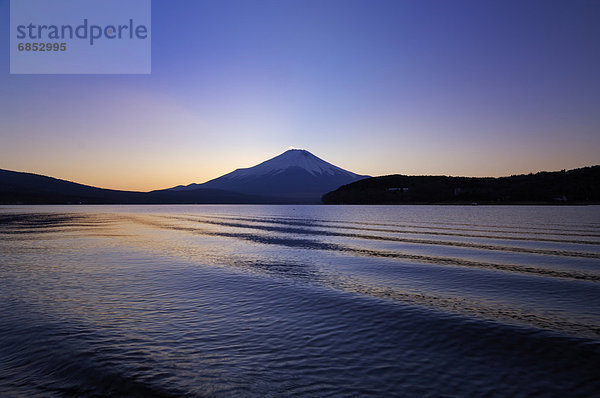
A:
[27,188]
[294,176]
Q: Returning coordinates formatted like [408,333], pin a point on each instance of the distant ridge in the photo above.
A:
[28,188]
[578,186]
[296,176]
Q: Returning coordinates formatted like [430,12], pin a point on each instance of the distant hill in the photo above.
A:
[27,188]
[561,187]
[295,176]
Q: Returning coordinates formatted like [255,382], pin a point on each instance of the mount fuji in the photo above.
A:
[295,176]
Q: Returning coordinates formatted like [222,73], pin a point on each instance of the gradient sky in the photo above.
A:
[474,88]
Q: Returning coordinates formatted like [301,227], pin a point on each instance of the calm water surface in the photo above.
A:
[408,301]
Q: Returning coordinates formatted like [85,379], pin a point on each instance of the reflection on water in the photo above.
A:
[299,300]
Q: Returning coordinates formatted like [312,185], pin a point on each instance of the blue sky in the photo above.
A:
[477,88]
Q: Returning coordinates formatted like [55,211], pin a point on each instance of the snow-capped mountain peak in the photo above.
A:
[296,175]
[291,158]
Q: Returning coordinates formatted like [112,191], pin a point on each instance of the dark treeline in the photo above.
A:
[561,187]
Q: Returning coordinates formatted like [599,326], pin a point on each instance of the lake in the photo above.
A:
[319,301]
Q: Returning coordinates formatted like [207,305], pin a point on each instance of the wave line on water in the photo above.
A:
[562,253]
[438,260]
